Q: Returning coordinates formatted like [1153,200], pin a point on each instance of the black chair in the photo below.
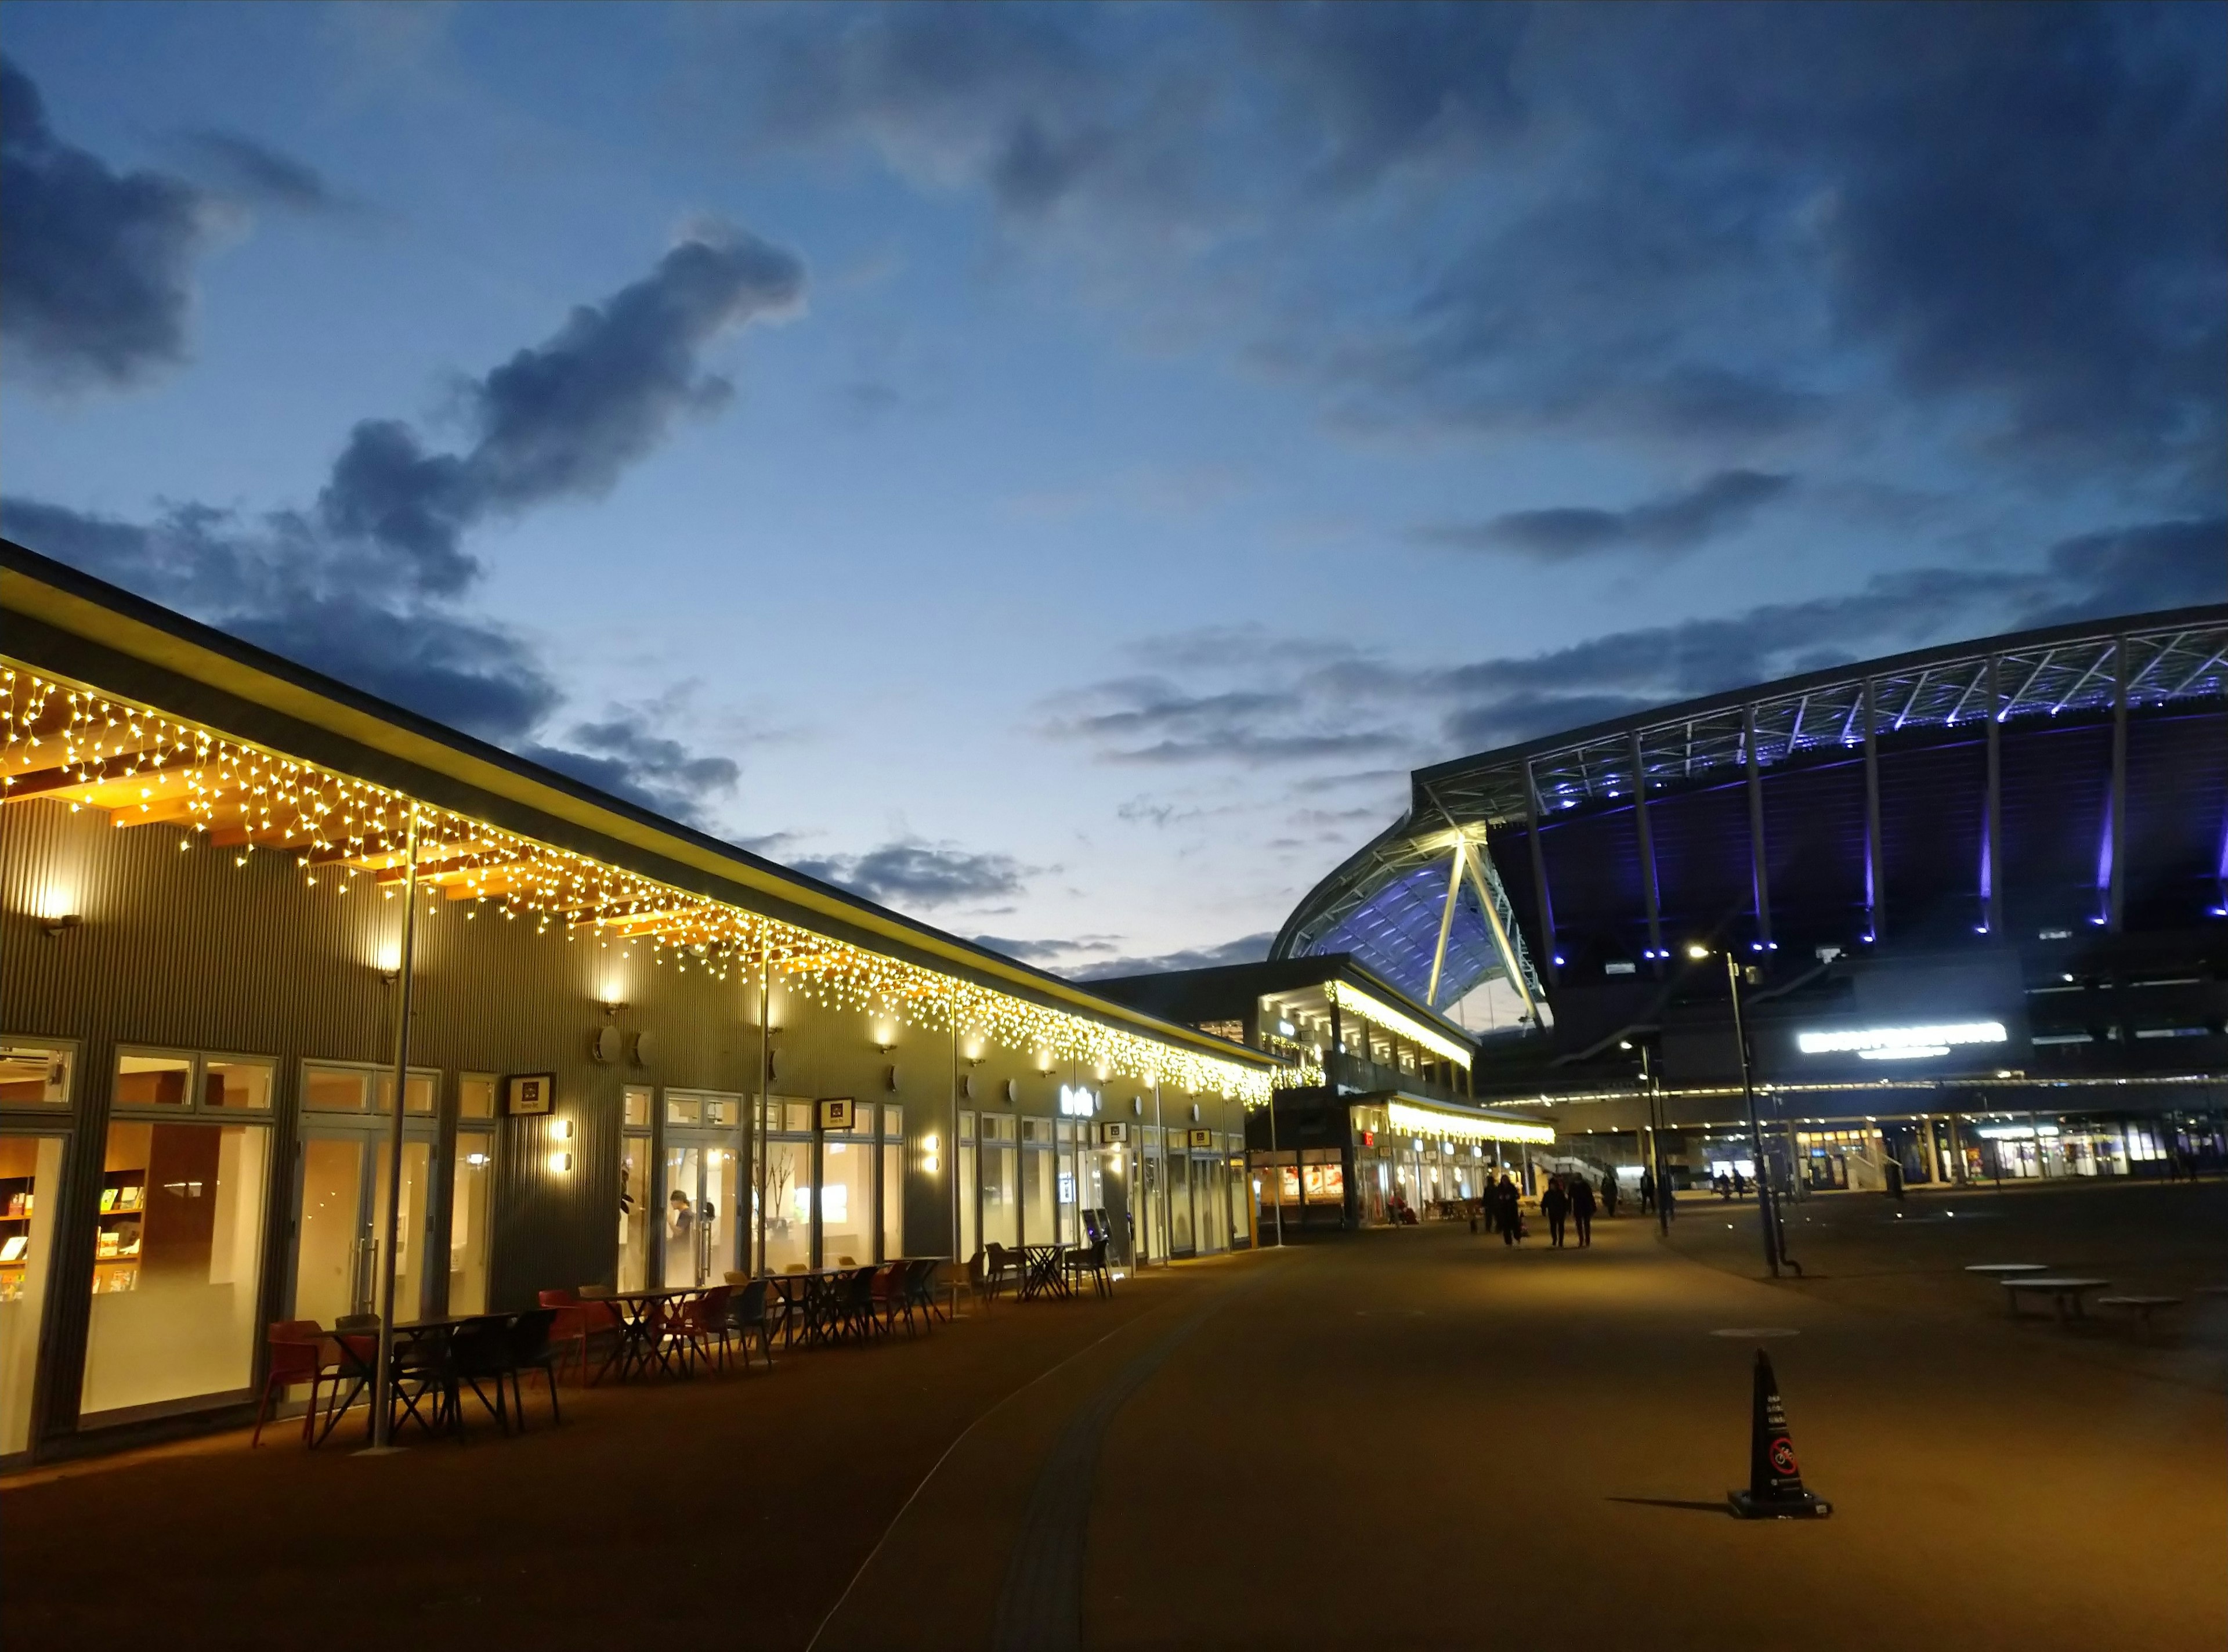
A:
[530,1346]
[854,1302]
[920,1289]
[748,1317]
[1090,1259]
[479,1351]
[424,1370]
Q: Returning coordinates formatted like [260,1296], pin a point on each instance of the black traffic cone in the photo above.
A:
[1774,1480]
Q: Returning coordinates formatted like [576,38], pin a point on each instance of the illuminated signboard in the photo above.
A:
[1901,1043]
[1076,1101]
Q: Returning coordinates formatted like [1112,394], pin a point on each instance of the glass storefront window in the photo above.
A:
[236,1085]
[699,1211]
[33,1075]
[336,1090]
[179,1252]
[970,1239]
[153,1080]
[1179,1203]
[30,1181]
[1000,1195]
[420,1094]
[471,1187]
[1041,1196]
[634,1214]
[893,1167]
[634,1107]
[787,1203]
[476,1095]
[847,1195]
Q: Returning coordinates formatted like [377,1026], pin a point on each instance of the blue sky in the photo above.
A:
[1057,470]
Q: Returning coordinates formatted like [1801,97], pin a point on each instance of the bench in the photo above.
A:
[2144,1306]
[2065,1293]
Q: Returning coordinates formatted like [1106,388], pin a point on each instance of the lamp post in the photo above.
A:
[1766,1205]
[1655,1145]
[383,1384]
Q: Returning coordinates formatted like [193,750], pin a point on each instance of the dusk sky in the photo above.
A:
[1056,471]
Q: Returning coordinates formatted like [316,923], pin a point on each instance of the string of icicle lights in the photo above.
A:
[344,834]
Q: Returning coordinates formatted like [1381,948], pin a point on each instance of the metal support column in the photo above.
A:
[382,1395]
[1759,868]
[2116,892]
[1446,922]
[1647,888]
[1992,891]
[1875,853]
[1539,873]
[1509,962]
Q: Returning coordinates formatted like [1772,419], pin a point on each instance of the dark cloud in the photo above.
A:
[1248,949]
[1377,86]
[259,174]
[95,265]
[1153,721]
[366,588]
[624,755]
[909,873]
[1044,953]
[272,585]
[567,417]
[2092,576]
[1677,522]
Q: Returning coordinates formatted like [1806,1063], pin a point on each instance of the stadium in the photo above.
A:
[1977,896]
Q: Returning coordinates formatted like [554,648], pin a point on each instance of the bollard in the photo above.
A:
[1774,1479]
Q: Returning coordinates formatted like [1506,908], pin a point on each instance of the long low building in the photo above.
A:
[1974,898]
[228,883]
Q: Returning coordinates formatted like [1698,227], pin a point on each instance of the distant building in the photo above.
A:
[1978,895]
[1374,1111]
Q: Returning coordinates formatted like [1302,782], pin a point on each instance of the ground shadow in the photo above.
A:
[1674,1502]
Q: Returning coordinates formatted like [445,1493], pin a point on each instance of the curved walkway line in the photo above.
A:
[1041,1606]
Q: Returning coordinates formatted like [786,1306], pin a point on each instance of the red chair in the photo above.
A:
[577,1320]
[297,1352]
[702,1324]
[887,1299]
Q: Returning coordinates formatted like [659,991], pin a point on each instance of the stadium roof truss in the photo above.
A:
[1402,905]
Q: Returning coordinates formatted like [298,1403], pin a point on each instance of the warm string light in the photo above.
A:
[64,739]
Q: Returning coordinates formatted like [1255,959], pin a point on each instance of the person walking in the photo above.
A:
[1609,1195]
[1507,1213]
[1555,1204]
[1647,1190]
[1582,1209]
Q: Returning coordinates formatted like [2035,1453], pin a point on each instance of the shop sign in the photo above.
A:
[529,1092]
[1901,1043]
[1202,1138]
[1369,1138]
[1113,1130]
[834,1112]
[1078,1101]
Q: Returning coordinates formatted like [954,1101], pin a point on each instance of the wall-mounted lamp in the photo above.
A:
[971,1052]
[55,926]
[612,1003]
[884,1035]
[561,1159]
[1044,1061]
[560,1162]
[930,1147]
[389,962]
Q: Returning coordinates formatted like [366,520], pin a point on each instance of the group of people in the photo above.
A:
[1567,1201]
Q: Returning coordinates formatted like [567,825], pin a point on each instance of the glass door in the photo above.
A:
[1179,1239]
[341,1196]
[699,1206]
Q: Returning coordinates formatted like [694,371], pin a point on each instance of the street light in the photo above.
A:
[1655,1140]
[1766,1205]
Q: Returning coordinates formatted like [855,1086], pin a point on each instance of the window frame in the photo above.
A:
[73,1051]
[197,1064]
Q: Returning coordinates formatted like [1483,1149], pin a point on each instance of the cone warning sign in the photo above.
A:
[1775,1477]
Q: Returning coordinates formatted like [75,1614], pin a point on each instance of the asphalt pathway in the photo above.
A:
[1419,1438]
[1396,1440]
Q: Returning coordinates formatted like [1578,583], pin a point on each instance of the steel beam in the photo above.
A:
[1646,857]
[1539,873]
[1993,890]
[1757,864]
[1875,853]
[2115,895]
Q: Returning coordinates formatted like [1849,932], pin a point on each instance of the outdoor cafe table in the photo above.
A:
[803,1296]
[1041,1274]
[358,1369]
[642,1328]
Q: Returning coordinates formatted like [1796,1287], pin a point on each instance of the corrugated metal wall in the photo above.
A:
[182,947]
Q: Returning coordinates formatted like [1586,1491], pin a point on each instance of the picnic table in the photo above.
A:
[807,1298]
[2064,1291]
[644,1317]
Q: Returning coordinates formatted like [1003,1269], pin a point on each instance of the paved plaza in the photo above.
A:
[1398,1438]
